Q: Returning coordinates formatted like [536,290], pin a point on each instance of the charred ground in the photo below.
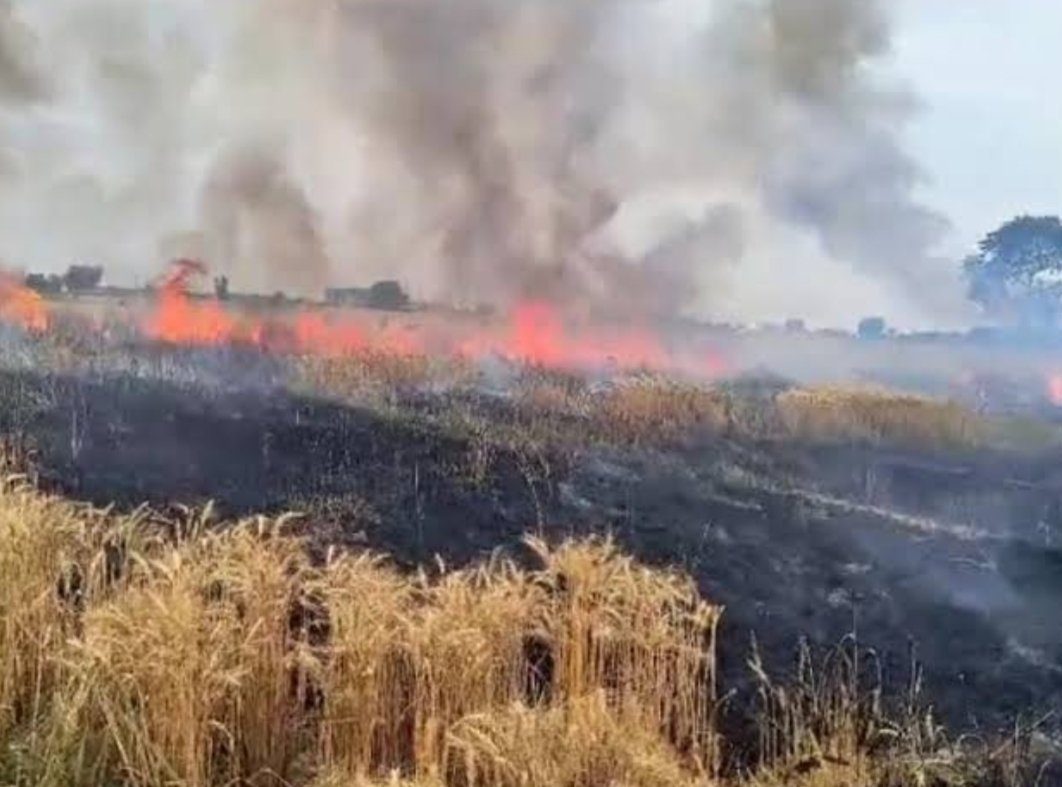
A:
[951,550]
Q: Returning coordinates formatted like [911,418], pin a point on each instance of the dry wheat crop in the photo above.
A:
[142,652]
[874,415]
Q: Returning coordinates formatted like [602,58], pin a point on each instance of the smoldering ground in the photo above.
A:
[478,150]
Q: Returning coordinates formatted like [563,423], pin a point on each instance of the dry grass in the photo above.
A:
[873,415]
[828,726]
[582,745]
[660,411]
[378,376]
[553,407]
[553,394]
[557,409]
[656,411]
[653,409]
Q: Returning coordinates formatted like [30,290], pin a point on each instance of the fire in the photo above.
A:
[21,306]
[539,336]
[535,333]
[180,320]
[1054,389]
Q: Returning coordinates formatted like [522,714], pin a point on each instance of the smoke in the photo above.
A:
[842,171]
[669,156]
[252,211]
[19,80]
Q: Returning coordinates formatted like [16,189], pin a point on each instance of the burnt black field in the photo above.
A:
[953,559]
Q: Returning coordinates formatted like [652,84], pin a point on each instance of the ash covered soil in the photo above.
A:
[956,554]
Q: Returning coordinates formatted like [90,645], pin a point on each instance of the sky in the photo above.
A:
[989,135]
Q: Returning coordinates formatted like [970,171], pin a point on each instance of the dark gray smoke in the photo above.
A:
[20,82]
[843,172]
[494,106]
[670,156]
[252,211]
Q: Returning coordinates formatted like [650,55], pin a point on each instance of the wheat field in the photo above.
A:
[142,651]
[147,653]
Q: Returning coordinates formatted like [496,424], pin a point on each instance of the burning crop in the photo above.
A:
[21,306]
[534,333]
[179,320]
[1054,389]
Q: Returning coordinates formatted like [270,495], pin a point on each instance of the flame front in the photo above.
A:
[21,306]
[535,332]
[1054,389]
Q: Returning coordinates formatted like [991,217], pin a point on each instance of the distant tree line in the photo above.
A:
[77,279]
[1015,276]
[387,295]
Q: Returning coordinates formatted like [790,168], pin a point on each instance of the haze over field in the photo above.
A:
[740,161]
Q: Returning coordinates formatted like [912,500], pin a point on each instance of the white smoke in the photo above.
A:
[712,158]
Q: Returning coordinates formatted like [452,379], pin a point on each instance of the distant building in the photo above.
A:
[347,296]
[387,295]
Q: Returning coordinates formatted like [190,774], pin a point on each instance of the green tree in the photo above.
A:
[1016,274]
[872,328]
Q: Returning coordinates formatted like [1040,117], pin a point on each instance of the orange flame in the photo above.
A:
[180,320]
[535,333]
[1054,389]
[21,306]
[539,336]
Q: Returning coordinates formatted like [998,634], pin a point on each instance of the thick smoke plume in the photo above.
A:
[19,81]
[668,156]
